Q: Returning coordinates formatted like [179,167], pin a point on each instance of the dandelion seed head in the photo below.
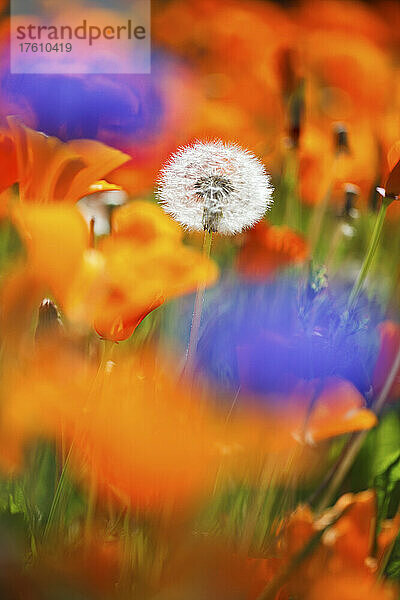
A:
[215,186]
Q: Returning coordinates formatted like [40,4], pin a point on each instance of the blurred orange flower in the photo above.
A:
[134,428]
[269,248]
[332,15]
[142,264]
[341,563]
[8,161]
[343,557]
[51,176]
[355,68]
[389,332]
[322,172]
[55,237]
[206,33]
[310,414]
[52,171]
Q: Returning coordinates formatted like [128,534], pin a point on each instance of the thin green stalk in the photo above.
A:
[63,480]
[91,509]
[290,178]
[58,495]
[197,312]
[98,388]
[365,267]
[318,215]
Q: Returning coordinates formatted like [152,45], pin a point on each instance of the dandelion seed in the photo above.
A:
[215,187]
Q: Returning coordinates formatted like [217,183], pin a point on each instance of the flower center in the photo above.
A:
[214,190]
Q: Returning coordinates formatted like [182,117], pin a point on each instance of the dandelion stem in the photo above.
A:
[365,267]
[197,312]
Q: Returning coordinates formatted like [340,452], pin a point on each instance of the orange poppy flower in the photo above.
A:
[52,171]
[144,223]
[142,264]
[338,408]
[354,66]
[269,248]
[389,346]
[55,238]
[51,176]
[321,173]
[332,15]
[350,585]
[223,98]
[138,282]
[135,428]
[342,556]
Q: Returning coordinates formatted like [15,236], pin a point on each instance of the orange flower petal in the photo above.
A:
[339,409]
[49,170]
[144,223]
[389,332]
[55,237]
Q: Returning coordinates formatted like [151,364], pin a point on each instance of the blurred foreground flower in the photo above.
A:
[139,433]
[52,176]
[142,264]
[133,429]
[50,171]
[313,557]
[343,559]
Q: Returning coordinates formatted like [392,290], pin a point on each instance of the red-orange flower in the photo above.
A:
[343,557]
[389,332]
[269,248]
[8,162]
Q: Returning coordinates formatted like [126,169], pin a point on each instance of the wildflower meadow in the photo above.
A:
[200,300]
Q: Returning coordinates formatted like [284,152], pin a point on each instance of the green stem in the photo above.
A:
[318,215]
[290,177]
[197,312]
[91,509]
[58,495]
[365,267]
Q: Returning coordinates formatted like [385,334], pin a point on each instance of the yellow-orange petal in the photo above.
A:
[144,223]
[55,237]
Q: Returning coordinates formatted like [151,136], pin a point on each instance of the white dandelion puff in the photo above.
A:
[216,187]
